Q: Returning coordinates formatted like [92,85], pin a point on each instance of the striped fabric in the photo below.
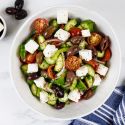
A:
[110,113]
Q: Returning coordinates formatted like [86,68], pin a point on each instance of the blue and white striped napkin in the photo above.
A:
[110,113]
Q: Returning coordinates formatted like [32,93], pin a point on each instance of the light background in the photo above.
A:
[12,110]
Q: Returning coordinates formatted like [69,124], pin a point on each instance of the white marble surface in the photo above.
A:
[12,110]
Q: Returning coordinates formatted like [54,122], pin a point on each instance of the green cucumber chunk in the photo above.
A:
[53,22]
[30,82]
[89,81]
[59,63]
[22,52]
[24,68]
[64,99]
[71,23]
[52,99]
[41,42]
[34,89]
[100,54]
[44,65]
[74,83]
[91,71]
[81,86]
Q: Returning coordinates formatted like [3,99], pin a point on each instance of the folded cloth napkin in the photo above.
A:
[110,113]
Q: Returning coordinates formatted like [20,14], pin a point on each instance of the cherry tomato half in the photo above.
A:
[31,58]
[107,55]
[40,24]
[50,72]
[75,31]
[93,63]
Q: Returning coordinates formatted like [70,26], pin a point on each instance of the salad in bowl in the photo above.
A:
[64,59]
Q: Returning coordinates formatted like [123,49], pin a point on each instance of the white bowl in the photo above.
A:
[74,110]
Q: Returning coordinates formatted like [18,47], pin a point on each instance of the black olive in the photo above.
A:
[21,14]
[58,91]
[33,76]
[76,40]
[19,4]
[70,76]
[11,10]
[59,105]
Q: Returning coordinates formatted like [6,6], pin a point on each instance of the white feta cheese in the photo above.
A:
[43,97]
[1,27]
[32,68]
[62,35]
[74,95]
[31,46]
[97,80]
[62,16]
[86,33]
[102,70]
[40,82]
[86,54]
[49,50]
[82,71]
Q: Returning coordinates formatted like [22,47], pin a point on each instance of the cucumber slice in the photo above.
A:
[74,83]
[70,24]
[64,99]
[22,52]
[38,92]
[41,42]
[91,71]
[44,65]
[53,22]
[30,82]
[100,54]
[24,68]
[59,63]
[83,44]
[89,81]
[52,99]
[81,86]
[34,89]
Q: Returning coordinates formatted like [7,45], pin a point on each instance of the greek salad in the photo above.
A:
[64,59]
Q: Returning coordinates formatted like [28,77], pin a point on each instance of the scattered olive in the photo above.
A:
[72,51]
[19,4]
[33,76]
[76,40]
[58,91]
[11,10]
[59,105]
[21,14]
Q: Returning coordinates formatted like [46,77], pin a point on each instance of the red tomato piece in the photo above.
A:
[40,24]
[107,55]
[93,63]
[50,72]
[75,31]
[31,58]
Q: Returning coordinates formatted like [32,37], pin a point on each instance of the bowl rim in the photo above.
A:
[12,46]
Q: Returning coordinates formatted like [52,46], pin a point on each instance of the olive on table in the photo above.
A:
[21,14]
[19,4]
[76,40]
[39,57]
[59,105]
[58,91]
[72,51]
[11,10]
[94,39]
[48,32]
[33,76]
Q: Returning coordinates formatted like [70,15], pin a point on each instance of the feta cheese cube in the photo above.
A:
[102,70]
[31,46]
[74,95]
[49,50]
[86,33]
[97,80]
[62,35]
[1,27]
[82,71]
[62,16]
[40,82]
[32,68]
[86,54]
[43,97]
